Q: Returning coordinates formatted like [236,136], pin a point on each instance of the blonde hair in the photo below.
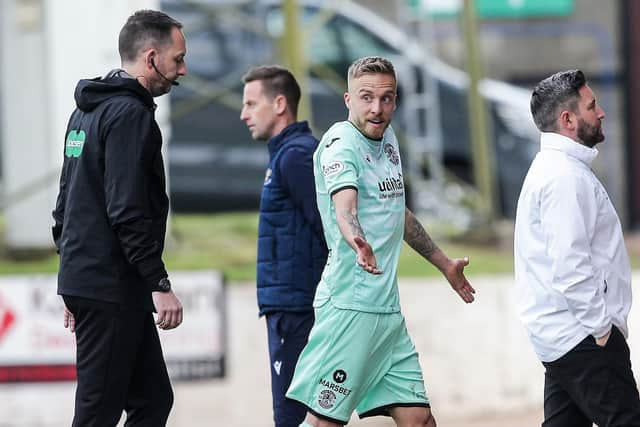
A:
[370,65]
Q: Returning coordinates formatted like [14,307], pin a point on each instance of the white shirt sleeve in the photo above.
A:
[568,214]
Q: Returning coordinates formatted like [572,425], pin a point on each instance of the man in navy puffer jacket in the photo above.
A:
[291,247]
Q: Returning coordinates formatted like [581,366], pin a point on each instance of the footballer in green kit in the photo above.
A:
[359,355]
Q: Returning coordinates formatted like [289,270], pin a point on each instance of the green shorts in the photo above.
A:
[357,361]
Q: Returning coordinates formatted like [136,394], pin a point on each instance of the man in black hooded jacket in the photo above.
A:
[110,223]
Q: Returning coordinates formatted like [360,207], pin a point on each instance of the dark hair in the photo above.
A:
[276,80]
[554,94]
[145,29]
[371,65]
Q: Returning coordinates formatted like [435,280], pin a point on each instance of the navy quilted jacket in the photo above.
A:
[291,247]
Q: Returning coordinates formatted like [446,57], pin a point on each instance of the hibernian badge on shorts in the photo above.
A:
[327,399]
[391,153]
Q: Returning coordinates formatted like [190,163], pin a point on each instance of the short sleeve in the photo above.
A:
[340,166]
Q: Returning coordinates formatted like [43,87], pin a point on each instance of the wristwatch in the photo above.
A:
[164,285]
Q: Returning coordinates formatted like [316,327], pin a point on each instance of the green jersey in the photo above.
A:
[345,158]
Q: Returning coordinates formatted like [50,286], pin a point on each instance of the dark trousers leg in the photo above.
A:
[559,408]
[592,384]
[150,396]
[110,352]
[288,334]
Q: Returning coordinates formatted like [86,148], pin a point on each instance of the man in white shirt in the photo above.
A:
[573,280]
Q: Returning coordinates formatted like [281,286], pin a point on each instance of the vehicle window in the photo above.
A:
[340,41]
[206,47]
[359,41]
[221,39]
[322,46]
[336,43]
[248,44]
[325,47]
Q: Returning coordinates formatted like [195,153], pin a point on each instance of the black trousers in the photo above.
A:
[288,333]
[592,384]
[120,366]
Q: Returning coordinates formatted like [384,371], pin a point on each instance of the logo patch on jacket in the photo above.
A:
[267,177]
[75,143]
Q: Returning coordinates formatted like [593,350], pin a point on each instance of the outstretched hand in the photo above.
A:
[365,257]
[455,275]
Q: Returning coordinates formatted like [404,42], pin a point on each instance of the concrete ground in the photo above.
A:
[479,369]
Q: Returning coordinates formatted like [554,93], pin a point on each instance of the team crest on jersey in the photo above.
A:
[327,399]
[391,153]
[332,169]
[267,177]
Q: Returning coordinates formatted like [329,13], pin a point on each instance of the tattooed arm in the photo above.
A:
[416,236]
[345,202]
[453,269]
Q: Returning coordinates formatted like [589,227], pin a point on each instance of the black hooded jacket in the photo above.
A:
[111,211]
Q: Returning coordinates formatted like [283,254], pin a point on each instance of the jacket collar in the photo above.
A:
[290,131]
[555,141]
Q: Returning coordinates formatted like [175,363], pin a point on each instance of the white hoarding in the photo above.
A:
[34,345]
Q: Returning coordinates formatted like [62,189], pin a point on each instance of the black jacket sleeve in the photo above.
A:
[130,150]
[58,213]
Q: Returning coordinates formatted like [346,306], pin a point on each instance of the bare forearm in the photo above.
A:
[416,236]
[453,269]
[350,225]
[345,203]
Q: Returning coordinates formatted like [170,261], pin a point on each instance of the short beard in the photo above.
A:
[588,134]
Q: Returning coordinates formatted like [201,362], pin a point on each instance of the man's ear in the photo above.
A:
[150,57]
[346,99]
[567,120]
[280,104]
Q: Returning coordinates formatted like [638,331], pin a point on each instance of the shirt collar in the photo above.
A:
[555,141]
